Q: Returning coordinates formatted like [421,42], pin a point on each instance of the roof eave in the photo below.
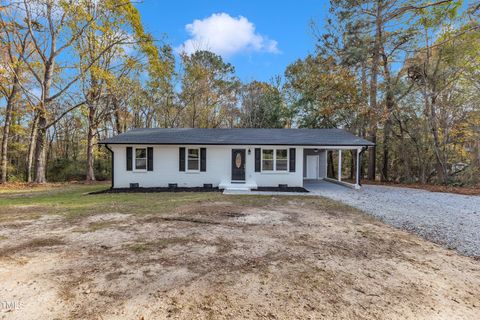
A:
[369,144]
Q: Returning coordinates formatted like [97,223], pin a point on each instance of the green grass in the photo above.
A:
[74,201]
[139,247]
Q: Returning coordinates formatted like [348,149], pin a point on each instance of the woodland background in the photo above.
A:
[404,74]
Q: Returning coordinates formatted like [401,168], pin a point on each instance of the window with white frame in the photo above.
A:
[193,159]
[140,158]
[267,160]
[281,160]
[274,160]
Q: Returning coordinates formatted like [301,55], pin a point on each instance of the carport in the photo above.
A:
[337,164]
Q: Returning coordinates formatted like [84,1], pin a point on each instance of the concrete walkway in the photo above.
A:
[451,220]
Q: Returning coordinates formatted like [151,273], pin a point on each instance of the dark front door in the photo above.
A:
[238,164]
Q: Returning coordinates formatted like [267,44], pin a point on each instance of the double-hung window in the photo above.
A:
[193,159]
[267,160]
[281,160]
[141,159]
[274,160]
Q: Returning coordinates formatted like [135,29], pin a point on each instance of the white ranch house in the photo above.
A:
[232,159]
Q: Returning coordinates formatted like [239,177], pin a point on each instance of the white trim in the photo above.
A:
[333,147]
[274,160]
[135,159]
[186,161]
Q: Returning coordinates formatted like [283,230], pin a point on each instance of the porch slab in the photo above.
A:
[240,187]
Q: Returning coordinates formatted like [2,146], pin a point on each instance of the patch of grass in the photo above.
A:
[166,242]
[73,201]
[139,247]
[17,188]
[3,238]
[13,215]
[32,244]
[94,226]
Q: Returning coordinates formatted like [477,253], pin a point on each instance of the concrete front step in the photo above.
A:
[236,191]
[240,187]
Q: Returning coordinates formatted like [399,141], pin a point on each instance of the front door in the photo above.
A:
[238,164]
[312,167]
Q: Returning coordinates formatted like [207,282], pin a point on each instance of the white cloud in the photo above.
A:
[225,35]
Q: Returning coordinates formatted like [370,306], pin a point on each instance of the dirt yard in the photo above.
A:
[68,255]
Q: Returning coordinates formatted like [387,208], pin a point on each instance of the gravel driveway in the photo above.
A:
[451,220]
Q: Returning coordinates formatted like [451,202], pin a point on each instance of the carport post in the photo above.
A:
[340,165]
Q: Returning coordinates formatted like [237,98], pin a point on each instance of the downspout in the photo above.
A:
[360,160]
[113,165]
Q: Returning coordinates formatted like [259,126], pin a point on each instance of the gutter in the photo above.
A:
[235,144]
[113,164]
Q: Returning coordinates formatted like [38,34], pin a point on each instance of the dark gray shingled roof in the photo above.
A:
[297,137]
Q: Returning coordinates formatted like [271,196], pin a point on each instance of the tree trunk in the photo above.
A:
[364,98]
[6,128]
[372,156]
[49,149]
[331,165]
[440,166]
[430,101]
[387,131]
[40,149]
[31,148]
[364,95]
[6,134]
[90,143]
[389,106]
[352,165]
[117,115]
[40,176]
[387,128]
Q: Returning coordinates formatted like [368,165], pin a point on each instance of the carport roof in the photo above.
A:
[238,136]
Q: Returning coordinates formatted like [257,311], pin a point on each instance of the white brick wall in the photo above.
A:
[166,169]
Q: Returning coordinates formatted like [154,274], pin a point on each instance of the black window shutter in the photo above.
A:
[258,159]
[129,158]
[292,159]
[181,163]
[150,158]
[203,159]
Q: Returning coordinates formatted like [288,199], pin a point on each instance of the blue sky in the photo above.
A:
[271,35]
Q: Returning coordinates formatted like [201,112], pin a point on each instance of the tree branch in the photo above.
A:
[402,10]
[59,93]
[64,114]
